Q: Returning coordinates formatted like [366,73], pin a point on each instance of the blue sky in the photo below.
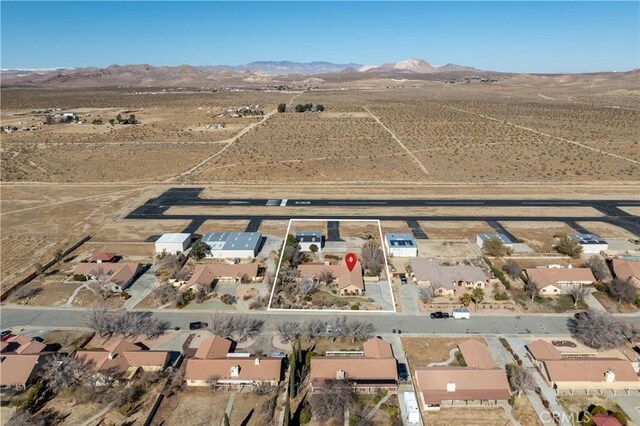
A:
[504,36]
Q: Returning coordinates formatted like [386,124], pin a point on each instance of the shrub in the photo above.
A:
[355,307]
[228,299]
[460,359]
[601,288]
[79,277]
[305,415]
[501,296]
[125,295]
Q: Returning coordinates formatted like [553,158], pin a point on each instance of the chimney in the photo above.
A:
[609,376]
[341,375]
[570,266]
[257,361]
[451,387]
[111,355]
[235,371]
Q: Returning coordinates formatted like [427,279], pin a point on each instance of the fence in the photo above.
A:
[48,265]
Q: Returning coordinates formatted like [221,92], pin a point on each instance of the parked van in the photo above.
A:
[461,313]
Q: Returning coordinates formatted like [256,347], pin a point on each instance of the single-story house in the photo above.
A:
[122,359]
[377,369]
[214,365]
[452,386]
[21,361]
[447,280]
[554,281]
[627,269]
[103,257]
[587,374]
[308,238]
[482,238]
[591,244]
[230,245]
[401,245]
[350,283]
[173,243]
[206,275]
[119,276]
[569,372]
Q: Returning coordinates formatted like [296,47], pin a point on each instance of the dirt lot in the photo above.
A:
[538,236]
[247,409]
[477,416]
[192,407]
[524,412]
[578,403]
[421,351]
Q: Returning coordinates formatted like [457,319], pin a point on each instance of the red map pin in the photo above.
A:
[351,259]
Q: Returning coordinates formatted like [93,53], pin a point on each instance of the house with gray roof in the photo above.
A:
[447,280]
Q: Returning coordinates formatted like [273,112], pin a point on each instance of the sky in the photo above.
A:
[540,37]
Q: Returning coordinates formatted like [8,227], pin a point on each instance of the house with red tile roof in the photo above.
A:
[350,283]
[375,369]
[21,361]
[122,359]
[481,382]
[103,256]
[214,365]
[554,281]
[625,269]
[118,276]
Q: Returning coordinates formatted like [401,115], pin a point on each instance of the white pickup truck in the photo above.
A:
[460,313]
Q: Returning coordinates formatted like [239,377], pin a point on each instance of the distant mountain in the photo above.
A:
[285,67]
[417,66]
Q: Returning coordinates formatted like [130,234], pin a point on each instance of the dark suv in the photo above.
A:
[197,325]
[439,315]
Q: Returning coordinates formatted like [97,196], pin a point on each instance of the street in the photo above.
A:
[540,324]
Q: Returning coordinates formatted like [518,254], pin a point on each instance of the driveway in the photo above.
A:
[592,302]
[380,292]
[409,298]
[141,288]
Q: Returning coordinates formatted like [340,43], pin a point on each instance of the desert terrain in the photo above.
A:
[521,137]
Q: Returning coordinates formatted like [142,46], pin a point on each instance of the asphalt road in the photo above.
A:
[12,317]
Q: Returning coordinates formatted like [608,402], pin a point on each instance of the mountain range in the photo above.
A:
[253,73]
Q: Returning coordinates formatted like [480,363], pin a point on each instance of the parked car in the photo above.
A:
[403,279]
[439,315]
[279,354]
[197,325]
[6,335]
[403,373]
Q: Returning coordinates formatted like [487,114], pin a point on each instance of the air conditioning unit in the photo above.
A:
[451,387]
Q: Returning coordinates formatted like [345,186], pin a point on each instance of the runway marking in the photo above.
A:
[393,135]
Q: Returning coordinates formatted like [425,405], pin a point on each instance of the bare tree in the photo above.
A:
[337,328]
[578,294]
[623,290]
[520,379]
[62,372]
[100,284]
[331,401]
[326,276]
[372,257]
[124,323]
[531,289]
[512,268]
[425,294]
[361,330]
[26,293]
[599,267]
[308,286]
[237,327]
[166,293]
[598,330]
[289,330]
[313,328]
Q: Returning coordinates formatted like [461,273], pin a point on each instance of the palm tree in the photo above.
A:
[477,296]
[466,299]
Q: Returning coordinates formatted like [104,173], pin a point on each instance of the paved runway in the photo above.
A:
[611,212]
